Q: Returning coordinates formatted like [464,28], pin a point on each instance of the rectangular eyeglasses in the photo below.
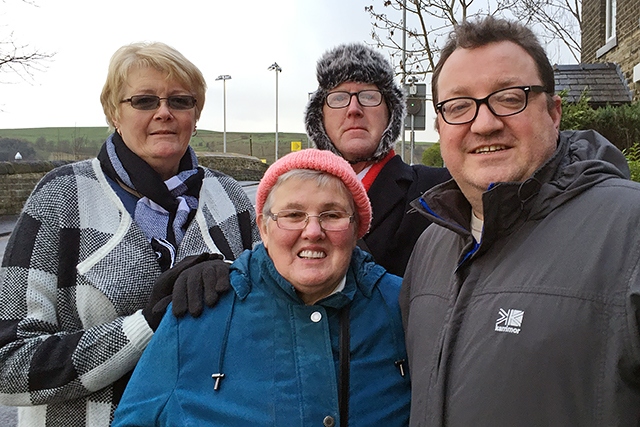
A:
[151,102]
[292,219]
[502,103]
[342,99]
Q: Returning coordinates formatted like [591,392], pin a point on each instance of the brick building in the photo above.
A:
[611,34]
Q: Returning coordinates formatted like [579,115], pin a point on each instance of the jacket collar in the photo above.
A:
[581,160]
[504,204]
[363,275]
[388,190]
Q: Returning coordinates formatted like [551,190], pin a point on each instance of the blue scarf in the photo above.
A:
[165,208]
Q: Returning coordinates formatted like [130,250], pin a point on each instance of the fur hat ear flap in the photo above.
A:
[359,63]
[314,122]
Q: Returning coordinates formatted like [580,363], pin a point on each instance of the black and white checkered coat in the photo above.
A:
[76,273]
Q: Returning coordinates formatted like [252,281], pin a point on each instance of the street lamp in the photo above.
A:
[413,90]
[224,78]
[275,67]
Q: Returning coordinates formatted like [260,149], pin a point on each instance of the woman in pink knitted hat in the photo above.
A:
[310,333]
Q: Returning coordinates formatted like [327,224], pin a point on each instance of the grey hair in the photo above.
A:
[321,178]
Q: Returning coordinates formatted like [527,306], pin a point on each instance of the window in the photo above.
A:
[610,28]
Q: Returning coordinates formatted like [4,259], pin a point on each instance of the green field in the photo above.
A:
[83,142]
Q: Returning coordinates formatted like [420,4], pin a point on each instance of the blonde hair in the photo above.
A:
[156,55]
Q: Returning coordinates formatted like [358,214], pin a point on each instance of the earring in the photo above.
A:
[195,132]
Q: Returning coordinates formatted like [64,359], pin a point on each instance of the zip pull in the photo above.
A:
[218,378]
[400,365]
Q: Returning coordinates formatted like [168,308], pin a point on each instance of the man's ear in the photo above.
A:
[556,111]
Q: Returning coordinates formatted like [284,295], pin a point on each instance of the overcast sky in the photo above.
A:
[239,38]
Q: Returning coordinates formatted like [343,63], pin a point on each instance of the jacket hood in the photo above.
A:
[256,263]
[584,159]
[358,63]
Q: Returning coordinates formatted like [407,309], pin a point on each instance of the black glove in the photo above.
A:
[186,284]
[206,281]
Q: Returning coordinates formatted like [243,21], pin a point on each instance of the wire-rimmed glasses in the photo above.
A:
[293,219]
[342,99]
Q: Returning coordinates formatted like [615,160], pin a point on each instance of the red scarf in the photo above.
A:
[375,169]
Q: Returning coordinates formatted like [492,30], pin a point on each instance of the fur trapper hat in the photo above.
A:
[361,64]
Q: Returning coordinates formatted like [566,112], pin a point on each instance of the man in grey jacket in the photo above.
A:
[522,305]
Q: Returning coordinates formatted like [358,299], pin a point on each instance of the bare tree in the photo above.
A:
[560,20]
[77,145]
[429,22]
[19,59]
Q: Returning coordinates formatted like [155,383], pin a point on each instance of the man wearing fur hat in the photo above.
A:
[357,112]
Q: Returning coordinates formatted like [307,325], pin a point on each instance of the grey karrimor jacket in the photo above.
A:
[538,324]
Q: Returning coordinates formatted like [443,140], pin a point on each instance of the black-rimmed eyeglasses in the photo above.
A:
[342,99]
[151,102]
[502,103]
[292,219]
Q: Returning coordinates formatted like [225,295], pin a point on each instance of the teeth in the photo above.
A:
[312,254]
[490,149]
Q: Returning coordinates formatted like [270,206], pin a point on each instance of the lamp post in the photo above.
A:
[224,78]
[404,66]
[412,92]
[275,67]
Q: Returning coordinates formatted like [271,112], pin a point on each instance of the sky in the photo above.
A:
[238,38]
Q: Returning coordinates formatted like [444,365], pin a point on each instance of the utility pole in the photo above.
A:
[224,78]
[275,67]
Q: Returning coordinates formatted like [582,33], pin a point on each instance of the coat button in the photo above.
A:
[328,421]
[316,316]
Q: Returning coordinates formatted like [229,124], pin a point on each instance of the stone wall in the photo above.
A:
[626,52]
[17,179]
[241,167]
[593,19]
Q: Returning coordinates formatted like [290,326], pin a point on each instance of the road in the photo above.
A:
[250,188]
[3,244]
[8,416]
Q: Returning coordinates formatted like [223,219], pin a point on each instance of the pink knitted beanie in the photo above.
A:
[320,160]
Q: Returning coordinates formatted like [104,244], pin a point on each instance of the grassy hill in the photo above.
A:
[84,142]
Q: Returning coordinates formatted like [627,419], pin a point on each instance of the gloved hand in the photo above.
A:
[206,281]
[187,284]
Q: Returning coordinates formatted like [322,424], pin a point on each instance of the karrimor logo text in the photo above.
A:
[509,320]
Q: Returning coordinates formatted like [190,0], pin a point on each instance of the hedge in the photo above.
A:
[619,124]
